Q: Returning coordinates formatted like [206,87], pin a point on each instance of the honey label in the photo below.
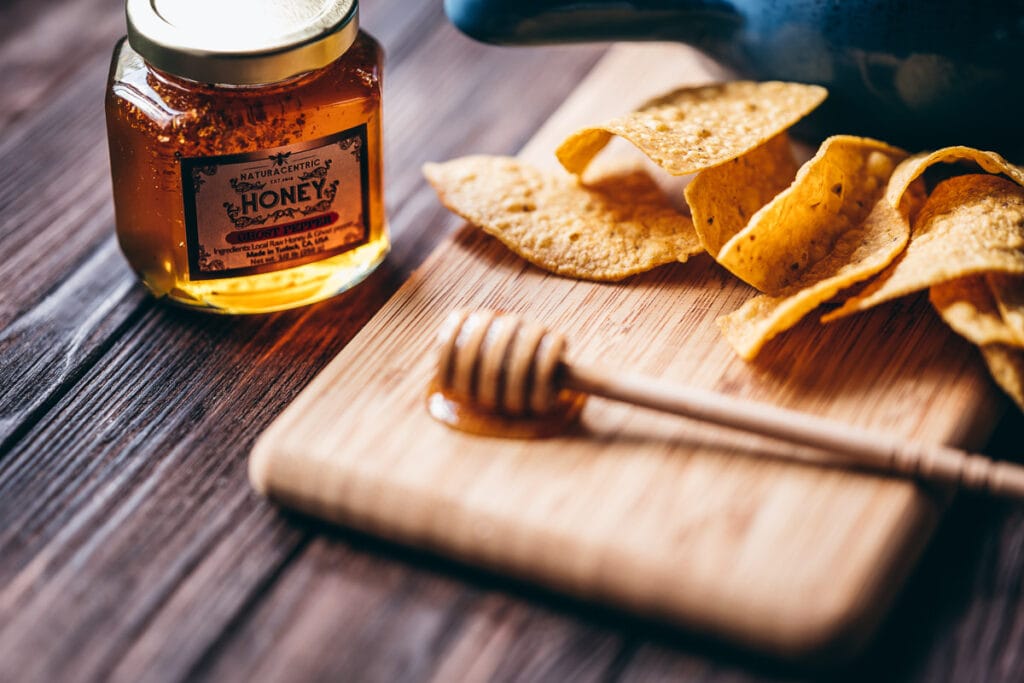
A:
[277,208]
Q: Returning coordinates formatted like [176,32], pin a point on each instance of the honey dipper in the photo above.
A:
[516,368]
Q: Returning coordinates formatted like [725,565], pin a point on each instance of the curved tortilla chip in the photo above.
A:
[970,225]
[614,226]
[913,167]
[860,252]
[832,194]
[693,129]
[967,305]
[832,228]
[722,199]
[1006,365]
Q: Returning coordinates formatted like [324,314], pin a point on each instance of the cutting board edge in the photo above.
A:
[835,633]
[840,632]
[832,634]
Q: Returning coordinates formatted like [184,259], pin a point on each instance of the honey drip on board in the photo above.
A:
[466,416]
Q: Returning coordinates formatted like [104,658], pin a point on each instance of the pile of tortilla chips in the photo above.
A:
[854,218]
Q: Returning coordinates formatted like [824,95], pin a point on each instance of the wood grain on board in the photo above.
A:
[131,545]
[663,516]
[124,423]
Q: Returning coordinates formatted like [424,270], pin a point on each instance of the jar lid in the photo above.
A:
[241,42]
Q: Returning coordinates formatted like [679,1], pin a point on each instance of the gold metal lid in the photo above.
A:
[241,42]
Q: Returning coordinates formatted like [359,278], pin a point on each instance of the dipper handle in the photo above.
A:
[927,462]
[516,368]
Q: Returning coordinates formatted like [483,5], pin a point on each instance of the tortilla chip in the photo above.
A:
[693,129]
[970,225]
[616,225]
[832,194]
[860,252]
[968,306]
[1008,292]
[722,199]
[830,229]
[1006,365]
[916,165]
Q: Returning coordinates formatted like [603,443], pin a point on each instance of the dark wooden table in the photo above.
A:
[131,546]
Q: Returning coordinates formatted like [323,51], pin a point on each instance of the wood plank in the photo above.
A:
[68,288]
[403,626]
[52,326]
[654,514]
[42,45]
[47,349]
[957,620]
[961,614]
[126,503]
[118,535]
[61,156]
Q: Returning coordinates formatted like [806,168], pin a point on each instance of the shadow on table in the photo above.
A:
[933,621]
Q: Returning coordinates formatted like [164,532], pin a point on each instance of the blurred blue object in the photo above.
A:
[920,73]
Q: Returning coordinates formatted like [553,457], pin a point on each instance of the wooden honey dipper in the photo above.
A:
[516,368]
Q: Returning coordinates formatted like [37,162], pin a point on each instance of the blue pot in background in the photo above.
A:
[918,73]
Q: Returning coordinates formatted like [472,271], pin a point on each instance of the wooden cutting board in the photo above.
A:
[681,521]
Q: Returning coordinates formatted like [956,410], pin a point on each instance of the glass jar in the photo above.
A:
[245,150]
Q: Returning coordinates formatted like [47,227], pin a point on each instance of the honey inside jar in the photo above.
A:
[246,155]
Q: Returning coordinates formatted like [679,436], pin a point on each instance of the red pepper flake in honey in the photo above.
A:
[245,149]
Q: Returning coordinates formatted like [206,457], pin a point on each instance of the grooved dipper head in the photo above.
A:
[499,362]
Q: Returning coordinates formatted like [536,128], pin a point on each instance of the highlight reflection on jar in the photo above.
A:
[246,155]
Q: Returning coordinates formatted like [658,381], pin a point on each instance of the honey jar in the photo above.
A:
[245,150]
